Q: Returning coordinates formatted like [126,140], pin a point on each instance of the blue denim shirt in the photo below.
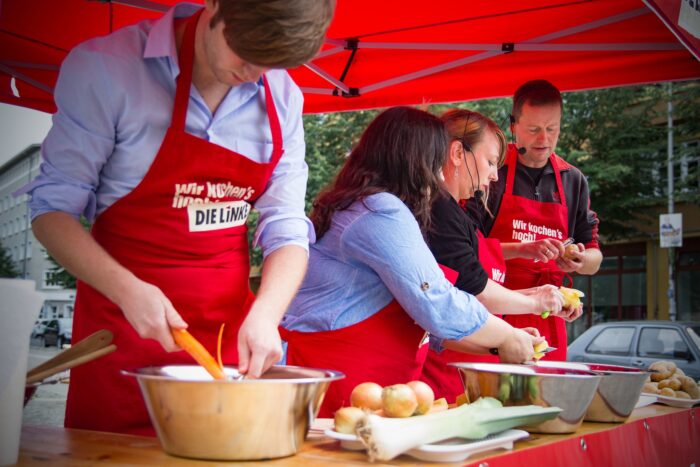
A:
[374,252]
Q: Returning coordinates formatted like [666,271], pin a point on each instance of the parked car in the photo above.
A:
[640,343]
[56,332]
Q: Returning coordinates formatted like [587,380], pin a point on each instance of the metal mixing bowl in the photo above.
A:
[569,389]
[238,419]
[617,393]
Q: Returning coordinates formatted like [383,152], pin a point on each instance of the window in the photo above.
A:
[612,341]
[50,281]
[662,343]
[618,291]
[694,333]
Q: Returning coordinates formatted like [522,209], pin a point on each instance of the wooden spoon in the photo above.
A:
[94,346]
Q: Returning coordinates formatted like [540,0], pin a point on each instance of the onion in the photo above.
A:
[367,396]
[346,419]
[424,395]
[399,401]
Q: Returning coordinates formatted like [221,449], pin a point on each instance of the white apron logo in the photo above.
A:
[498,276]
[217,216]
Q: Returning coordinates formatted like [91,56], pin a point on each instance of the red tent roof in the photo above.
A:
[389,52]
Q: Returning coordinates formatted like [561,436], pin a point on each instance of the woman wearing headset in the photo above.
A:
[476,149]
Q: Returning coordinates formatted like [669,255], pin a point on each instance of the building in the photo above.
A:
[16,236]
[633,280]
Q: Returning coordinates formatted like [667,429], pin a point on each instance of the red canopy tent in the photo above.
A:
[390,52]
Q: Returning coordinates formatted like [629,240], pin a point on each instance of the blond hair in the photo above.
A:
[469,127]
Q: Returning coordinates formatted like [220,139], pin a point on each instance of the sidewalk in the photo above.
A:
[48,405]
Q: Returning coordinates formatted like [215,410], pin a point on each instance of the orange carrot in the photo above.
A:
[218,346]
[197,351]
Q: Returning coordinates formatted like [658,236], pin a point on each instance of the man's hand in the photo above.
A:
[570,314]
[542,250]
[151,313]
[572,259]
[259,345]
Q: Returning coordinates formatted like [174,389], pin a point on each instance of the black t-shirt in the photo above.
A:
[452,239]
[541,185]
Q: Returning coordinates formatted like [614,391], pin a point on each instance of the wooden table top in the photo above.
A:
[60,446]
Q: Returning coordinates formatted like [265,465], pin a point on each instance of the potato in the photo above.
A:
[679,372]
[662,370]
[690,386]
[569,250]
[668,392]
[673,383]
[651,388]
[682,395]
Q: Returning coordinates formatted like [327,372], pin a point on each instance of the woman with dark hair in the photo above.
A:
[373,289]
[476,149]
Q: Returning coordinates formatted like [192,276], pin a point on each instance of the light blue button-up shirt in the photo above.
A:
[115,100]
[372,253]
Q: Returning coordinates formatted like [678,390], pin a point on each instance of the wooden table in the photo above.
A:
[655,435]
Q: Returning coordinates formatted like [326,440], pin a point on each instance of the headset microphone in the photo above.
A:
[522,150]
[478,192]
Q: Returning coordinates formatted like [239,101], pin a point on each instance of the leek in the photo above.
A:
[386,438]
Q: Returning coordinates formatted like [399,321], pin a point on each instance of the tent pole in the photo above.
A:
[669,180]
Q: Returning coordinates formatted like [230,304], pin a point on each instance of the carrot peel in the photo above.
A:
[218,346]
[197,351]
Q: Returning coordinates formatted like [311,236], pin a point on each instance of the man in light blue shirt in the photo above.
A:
[115,102]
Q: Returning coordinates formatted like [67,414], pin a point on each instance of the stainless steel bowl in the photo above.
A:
[569,389]
[238,419]
[617,393]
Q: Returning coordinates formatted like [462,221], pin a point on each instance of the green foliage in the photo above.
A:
[329,140]
[618,138]
[7,266]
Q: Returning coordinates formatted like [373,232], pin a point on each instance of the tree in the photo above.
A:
[7,266]
[618,138]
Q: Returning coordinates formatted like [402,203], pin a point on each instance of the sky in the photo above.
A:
[20,127]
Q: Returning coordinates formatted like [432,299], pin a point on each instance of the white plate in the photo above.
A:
[645,399]
[451,450]
[676,401]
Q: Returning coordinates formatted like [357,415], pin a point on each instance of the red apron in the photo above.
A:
[385,349]
[522,219]
[444,379]
[182,229]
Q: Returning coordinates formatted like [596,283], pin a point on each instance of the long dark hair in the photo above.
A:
[401,152]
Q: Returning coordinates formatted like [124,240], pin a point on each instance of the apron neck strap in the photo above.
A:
[184,80]
[512,162]
[512,167]
[275,127]
[557,176]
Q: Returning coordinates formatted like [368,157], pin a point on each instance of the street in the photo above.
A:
[47,406]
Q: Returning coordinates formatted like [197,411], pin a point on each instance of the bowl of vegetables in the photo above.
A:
[572,390]
[617,393]
[234,418]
